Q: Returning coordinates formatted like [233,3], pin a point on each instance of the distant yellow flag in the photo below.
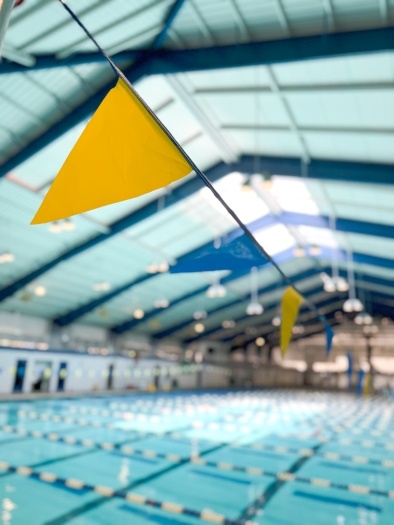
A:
[122,153]
[367,387]
[291,303]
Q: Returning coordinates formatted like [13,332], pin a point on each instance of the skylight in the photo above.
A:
[318,236]
[240,197]
[275,239]
[293,195]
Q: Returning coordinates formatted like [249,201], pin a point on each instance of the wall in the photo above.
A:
[215,377]
[276,377]
[18,325]
[90,372]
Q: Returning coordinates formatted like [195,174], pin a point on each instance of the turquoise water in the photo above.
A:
[268,457]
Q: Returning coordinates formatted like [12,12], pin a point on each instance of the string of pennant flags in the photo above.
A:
[125,138]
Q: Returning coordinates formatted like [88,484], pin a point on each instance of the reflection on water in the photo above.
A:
[6,513]
[124,472]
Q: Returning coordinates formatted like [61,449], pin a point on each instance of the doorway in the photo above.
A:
[61,378]
[110,376]
[42,375]
[20,372]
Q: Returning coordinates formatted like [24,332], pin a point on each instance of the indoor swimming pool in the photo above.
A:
[263,457]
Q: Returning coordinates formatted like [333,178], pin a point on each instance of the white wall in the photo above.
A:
[18,325]
[89,372]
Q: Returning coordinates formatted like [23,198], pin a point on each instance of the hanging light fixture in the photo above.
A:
[267,183]
[329,284]
[163,267]
[152,268]
[7,257]
[341,284]
[260,341]
[335,283]
[161,303]
[200,315]
[199,328]
[68,225]
[299,252]
[103,286]
[160,267]
[363,318]
[254,307]
[228,324]
[216,290]
[315,250]
[40,291]
[138,313]
[276,321]
[55,227]
[352,304]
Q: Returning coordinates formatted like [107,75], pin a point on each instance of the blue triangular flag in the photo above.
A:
[235,254]
[329,337]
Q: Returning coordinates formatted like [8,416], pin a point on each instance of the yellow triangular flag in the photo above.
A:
[122,153]
[291,302]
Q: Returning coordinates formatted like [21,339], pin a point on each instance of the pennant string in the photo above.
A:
[89,34]
[196,169]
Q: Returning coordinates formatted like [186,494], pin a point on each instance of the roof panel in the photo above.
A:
[375,68]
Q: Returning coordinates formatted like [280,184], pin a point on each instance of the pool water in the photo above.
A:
[260,457]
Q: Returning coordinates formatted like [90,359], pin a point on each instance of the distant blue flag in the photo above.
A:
[349,356]
[349,368]
[237,254]
[329,337]
[360,382]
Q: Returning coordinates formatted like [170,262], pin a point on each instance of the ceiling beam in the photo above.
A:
[6,7]
[341,224]
[252,128]
[293,125]
[384,11]
[330,13]
[289,89]
[268,52]
[282,17]
[263,52]
[186,99]
[320,169]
